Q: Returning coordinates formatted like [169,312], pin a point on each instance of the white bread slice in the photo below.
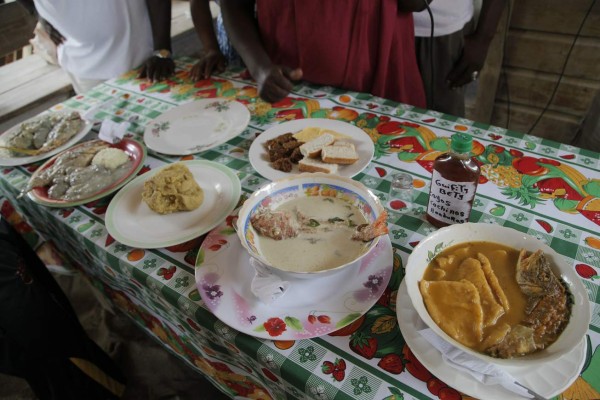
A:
[339,154]
[343,143]
[315,165]
[313,148]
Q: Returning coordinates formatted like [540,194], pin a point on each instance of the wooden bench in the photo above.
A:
[30,85]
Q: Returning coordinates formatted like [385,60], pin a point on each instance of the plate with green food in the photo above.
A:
[42,137]
[86,172]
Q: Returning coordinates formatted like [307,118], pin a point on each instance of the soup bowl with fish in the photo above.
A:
[498,294]
[310,225]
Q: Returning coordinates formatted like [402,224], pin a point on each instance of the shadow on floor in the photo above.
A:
[152,372]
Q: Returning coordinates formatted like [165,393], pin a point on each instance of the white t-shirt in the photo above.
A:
[104,38]
[449,16]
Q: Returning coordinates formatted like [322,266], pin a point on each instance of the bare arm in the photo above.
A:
[477,43]
[156,68]
[212,59]
[274,82]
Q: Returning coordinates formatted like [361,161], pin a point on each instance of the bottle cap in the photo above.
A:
[461,143]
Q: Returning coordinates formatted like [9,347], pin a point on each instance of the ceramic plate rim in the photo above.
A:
[192,104]
[456,378]
[288,334]
[64,204]
[261,166]
[236,192]
[87,127]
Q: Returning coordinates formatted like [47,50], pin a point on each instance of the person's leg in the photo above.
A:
[41,339]
[446,51]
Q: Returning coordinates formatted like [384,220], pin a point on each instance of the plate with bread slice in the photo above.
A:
[311,145]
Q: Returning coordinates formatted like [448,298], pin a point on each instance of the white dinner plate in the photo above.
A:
[197,126]
[10,161]
[548,379]
[362,141]
[309,308]
[130,221]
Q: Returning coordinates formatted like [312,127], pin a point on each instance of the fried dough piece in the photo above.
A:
[493,281]
[172,189]
[471,270]
[456,308]
[496,335]
[444,262]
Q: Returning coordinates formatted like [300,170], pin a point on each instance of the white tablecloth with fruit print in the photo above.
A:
[546,189]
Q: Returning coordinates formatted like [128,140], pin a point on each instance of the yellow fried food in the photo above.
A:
[493,281]
[172,189]
[472,270]
[310,133]
[456,308]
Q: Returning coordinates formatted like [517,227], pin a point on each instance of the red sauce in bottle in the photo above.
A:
[453,184]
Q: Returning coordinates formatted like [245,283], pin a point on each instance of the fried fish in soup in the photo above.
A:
[495,299]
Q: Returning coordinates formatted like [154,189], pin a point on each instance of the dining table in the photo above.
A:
[542,188]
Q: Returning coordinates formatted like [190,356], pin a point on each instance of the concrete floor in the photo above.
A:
[152,372]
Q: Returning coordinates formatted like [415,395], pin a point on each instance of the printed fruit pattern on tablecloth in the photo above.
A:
[529,180]
[377,335]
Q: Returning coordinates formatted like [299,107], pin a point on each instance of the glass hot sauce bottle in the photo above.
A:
[453,184]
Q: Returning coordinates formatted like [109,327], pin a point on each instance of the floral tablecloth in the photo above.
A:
[546,189]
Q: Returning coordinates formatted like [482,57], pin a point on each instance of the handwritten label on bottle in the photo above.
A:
[450,201]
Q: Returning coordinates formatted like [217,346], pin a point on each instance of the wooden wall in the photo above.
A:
[537,44]
[16,26]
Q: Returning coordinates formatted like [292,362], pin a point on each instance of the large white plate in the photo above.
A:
[6,160]
[548,379]
[309,308]
[130,221]
[196,126]
[363,143]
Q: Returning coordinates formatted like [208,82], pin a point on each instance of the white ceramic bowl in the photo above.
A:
[452,235]
[278,192]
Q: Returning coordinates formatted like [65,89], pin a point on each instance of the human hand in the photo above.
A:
[211,61]
[157,68]
[469,64]
[275,82]
[56,37]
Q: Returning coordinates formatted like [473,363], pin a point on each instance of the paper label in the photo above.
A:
[450,201]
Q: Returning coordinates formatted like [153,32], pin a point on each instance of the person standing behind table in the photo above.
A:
[218,52]
[360,45]
[459,51]
[41,339]
[100,40]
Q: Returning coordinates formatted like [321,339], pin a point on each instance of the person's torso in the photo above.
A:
[362,45]
[103,38]
[449,16]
